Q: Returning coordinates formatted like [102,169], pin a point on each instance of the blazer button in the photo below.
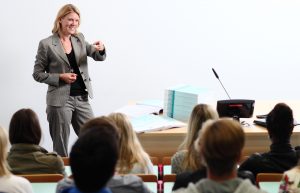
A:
[81,72]
[84,80]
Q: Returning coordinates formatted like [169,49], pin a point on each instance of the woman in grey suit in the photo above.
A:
[61,62]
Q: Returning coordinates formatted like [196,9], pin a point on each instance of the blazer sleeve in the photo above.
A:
[91,51]
[41,67]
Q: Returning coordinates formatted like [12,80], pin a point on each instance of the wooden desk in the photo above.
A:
[165,143]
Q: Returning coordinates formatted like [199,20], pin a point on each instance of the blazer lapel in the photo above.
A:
[59,48]
[76,47]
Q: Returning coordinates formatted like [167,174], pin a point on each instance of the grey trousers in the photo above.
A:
[76,111]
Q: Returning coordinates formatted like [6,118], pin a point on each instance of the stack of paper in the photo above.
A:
[169,97]
[179,101]
[147,123]
[145,116]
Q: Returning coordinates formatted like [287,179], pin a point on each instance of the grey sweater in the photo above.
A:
[236,185]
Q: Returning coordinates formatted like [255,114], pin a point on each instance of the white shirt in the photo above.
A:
[14,184]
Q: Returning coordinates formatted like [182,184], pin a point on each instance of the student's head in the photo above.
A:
[94,155]
[220,143]
[280,123]
[62,15]
[25,127]
[127,134]
[200,114]
[3,153]
[131,150]
[98,122]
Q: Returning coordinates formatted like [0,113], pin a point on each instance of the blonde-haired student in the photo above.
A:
[132,157]
[9,182]
[187,159]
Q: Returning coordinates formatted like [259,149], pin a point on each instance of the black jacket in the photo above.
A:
[281,157]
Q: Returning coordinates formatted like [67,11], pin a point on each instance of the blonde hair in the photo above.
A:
[200,114]
[131,151]
[3,153]
[221,143]
[65,10]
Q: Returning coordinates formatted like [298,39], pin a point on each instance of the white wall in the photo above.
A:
[253,44]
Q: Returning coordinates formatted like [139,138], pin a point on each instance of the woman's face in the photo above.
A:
[69,23]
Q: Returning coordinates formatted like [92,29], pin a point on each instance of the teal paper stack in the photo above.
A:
[180,101]
[169,100]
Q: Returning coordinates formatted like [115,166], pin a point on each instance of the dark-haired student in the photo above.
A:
[282,156]
[93,161]
[25,155]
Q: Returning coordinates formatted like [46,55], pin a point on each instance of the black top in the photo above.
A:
[183,179]
[77,88]
[281,157]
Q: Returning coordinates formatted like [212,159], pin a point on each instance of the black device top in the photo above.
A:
[236,108]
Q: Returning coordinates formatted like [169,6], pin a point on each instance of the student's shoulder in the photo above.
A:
[256,157]
[18,181]
[52,154]
[125,180]
[127,183]
[51,158]
[191,188]
[179,155]
[64,184]
[247,187]
[253,162]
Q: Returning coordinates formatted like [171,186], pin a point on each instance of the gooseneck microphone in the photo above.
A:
[220,82]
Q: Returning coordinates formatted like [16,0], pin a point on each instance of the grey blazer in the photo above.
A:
[52,61]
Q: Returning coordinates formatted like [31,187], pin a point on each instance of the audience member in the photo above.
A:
[282,156]
[26,156]
[8,182]
[132,158]
[183,179]
[290,182]
[187,159]
[93,160]
[220,145]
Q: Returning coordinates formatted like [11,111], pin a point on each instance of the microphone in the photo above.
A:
[215,73]
[220,81]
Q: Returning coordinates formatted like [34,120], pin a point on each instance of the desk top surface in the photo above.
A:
[260,108]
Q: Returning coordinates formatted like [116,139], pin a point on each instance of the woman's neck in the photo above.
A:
[64,37]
